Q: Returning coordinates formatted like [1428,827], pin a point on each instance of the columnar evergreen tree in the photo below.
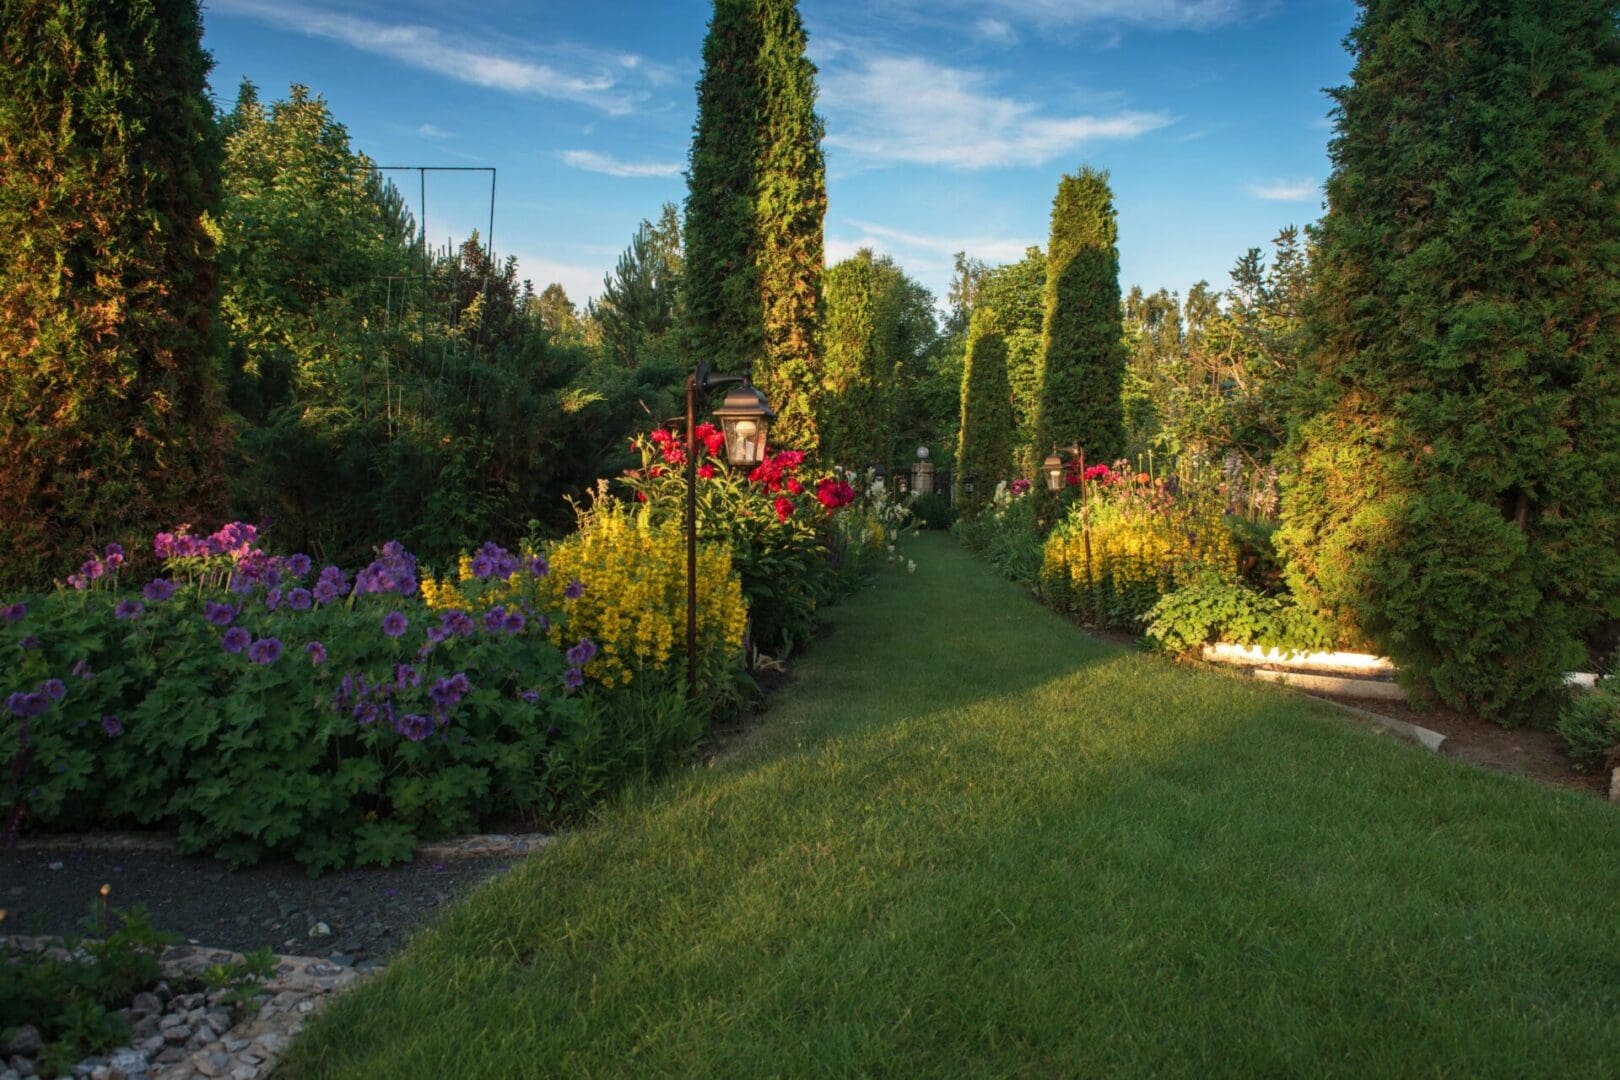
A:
[109,414]
[985,442]
[756,202]
[1082,362]
[1017,291]
[1458,493]
[853,414]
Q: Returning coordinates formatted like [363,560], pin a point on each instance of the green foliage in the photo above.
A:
[71,999]
[1017,292]
[1457,490]
[109,410]
[346,757]
[1214,608]
[1590,725]
[855,404]
[755,205]
[241,980]
[932,511]
[639,306]
[1006,535]
[1082,363]
[984,450]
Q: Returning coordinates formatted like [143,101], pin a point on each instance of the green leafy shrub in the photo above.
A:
[1214,609]
[72,999]
[258,712]
[932,511]
[1590,723]
[1006,533]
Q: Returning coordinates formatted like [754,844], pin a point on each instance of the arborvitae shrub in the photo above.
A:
[755,206]
[1458,495]
[109,418]
[984,447]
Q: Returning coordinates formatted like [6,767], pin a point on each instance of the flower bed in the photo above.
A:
[258,706]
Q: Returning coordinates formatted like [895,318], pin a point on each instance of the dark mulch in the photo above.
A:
[369,911]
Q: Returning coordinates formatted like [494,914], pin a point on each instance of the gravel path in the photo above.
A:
[352,917]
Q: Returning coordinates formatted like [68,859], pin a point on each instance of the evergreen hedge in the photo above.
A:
[985,441]
[1457,496]
[1082,366]
[855,406]
[756,202]
[110,422]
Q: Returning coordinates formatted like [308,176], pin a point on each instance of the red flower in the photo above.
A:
[641,496]
[675,454]
[711,438]
[706,471]
[795,487]
[784,508]
[662,436]
[788,459]
[834,493]
[656,471]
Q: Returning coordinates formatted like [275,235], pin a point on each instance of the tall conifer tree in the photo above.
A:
[756,201]
[854,406]
[1082,364]
[109,414]
[985,441]
[1457,496]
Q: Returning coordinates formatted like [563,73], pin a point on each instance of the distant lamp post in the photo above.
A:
[1057,464]
[745,419]
[922,453]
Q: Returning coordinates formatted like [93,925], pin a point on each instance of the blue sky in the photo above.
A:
[949,122]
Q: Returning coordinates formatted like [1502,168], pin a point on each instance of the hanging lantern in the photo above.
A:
[745,418]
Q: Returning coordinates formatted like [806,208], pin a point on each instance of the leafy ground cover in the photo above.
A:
[972,840]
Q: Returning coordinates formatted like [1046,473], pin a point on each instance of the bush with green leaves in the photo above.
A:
[1590,723]
[259,708]
[1456,487]
[1006,534]
[72,995]
[1219,609]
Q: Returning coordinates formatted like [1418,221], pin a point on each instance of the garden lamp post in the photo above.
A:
[1057,463]
[745,418]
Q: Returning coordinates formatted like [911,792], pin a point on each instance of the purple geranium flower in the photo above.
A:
[495,619]
[331,585]
[235,640]
[272,599]
[15,612]
[298,565]
[573,678]
[20,704]
[265,651]
[538,566]
[31,641]
[158,590]
[219,614]
[436,634]
[582,654]
[78,582]
[316,652]
[515,622]
[299,599]
[82,670]
[365,712]
[128,609]
[114,555]
[414,726]
[52,689]
[457,622]
[395,624]
[406,677]
[111,725]
[447,693]
[531,696]
[574,590]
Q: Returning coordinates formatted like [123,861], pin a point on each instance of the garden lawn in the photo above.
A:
[972,840]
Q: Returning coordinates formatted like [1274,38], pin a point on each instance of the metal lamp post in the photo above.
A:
[745,418]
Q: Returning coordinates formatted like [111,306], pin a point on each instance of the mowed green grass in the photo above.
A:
[970,840]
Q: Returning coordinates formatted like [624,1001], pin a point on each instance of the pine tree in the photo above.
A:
[1457,497]
[985,442]
[110,421]
[756,202]
[1082,363]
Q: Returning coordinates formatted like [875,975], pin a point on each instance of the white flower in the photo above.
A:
[911,566]
[891,549]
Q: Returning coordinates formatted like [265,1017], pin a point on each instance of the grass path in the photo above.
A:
[971,840]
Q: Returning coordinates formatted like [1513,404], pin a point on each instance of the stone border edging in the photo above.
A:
[1424,737]
[464,847]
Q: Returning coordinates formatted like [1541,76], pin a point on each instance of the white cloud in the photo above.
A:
[591,161]
[1286,190]
[996,31]
[581,283]
[1190,14]
[427,49]
[889,109]
[899,244]
[429,131]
